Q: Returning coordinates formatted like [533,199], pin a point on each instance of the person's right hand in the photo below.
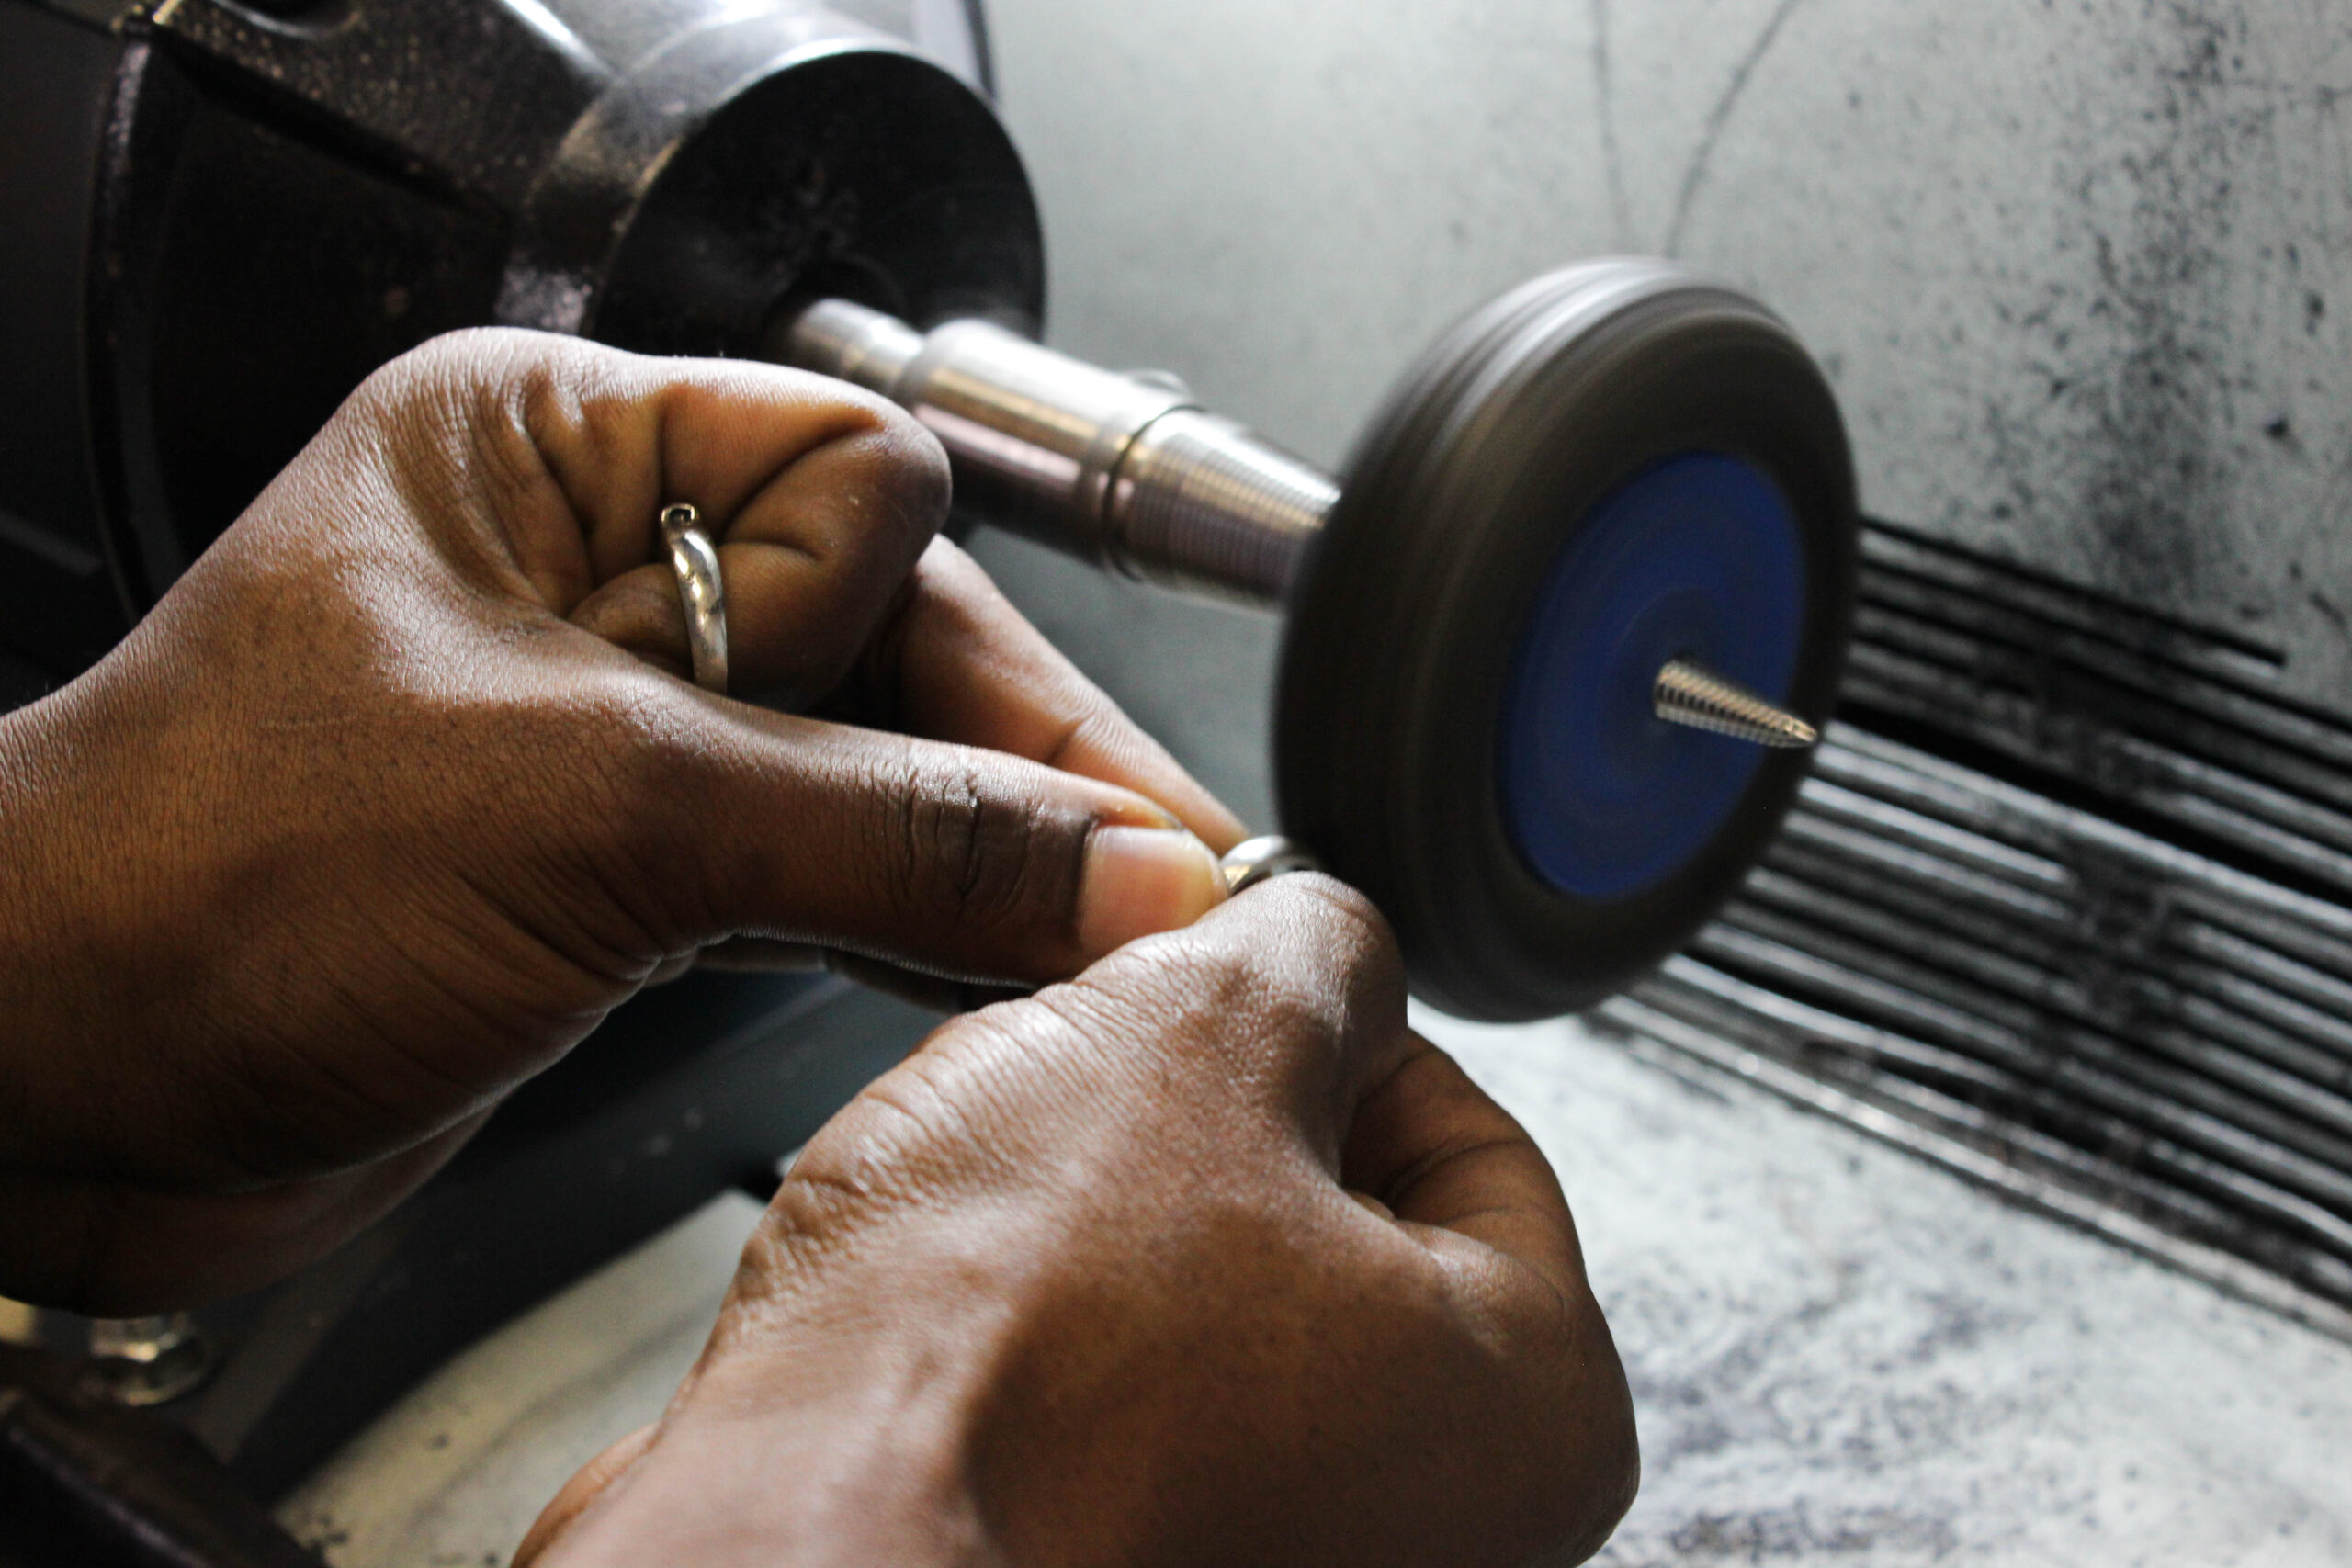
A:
[1203,1258]
[384,807]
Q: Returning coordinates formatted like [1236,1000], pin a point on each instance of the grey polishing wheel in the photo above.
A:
[1529,512]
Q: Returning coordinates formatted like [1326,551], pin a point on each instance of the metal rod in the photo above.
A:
[1128,473]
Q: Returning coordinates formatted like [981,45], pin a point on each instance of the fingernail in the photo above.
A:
[1141,881]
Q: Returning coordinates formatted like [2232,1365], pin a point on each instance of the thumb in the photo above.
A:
[951,860]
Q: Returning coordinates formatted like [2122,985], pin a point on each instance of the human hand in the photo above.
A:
[374,818]
[1204,1258]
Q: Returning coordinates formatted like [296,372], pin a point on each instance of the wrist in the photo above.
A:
[88,963]
[35,1024]
[829,1423]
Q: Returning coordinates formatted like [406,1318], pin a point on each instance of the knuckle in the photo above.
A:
[465,410]
[1302,957]
[503,371]
[1297,1002]
[874,442]
[1359,934]
[445,370]
[1320,923]
[905,468]
[916,462]
[988,855]
[1175,977]
[1341,909]
[1239,990]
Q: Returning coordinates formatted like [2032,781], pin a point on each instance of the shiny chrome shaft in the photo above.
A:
[1687,694]
[1126,473]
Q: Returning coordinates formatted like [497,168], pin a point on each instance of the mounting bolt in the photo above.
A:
[150,1361]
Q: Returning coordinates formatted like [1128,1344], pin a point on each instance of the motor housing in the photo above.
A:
[223,217]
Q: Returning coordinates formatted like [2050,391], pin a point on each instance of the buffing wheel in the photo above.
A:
[1615,467]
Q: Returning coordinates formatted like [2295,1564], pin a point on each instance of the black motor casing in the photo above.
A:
[219,218]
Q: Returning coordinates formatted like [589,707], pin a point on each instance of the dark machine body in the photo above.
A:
[221,218]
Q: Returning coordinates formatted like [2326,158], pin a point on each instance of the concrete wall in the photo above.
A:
[2082,272]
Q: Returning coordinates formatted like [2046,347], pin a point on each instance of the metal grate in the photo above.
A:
[2067,905]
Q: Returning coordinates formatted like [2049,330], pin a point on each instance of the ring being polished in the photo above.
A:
[1262,860]
[703,592]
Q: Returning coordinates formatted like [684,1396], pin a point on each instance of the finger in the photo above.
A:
[964,863]
[581,1493]
[812,558]
[1273,1014]
[821,496]
[1433,1148]
[1465,1181]
[824,499]
[958,662]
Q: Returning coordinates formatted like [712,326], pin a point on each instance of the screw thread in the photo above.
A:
[1689,695]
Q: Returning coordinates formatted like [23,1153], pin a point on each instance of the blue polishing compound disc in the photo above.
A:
[1696,558]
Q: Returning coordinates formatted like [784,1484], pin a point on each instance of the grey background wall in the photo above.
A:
[2082,272]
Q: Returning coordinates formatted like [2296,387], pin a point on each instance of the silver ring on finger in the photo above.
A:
[701,590]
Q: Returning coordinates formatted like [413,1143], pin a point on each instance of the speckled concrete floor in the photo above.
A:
[1839,1356]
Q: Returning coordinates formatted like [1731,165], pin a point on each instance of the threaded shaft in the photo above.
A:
[1689,695]
[1199,504]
